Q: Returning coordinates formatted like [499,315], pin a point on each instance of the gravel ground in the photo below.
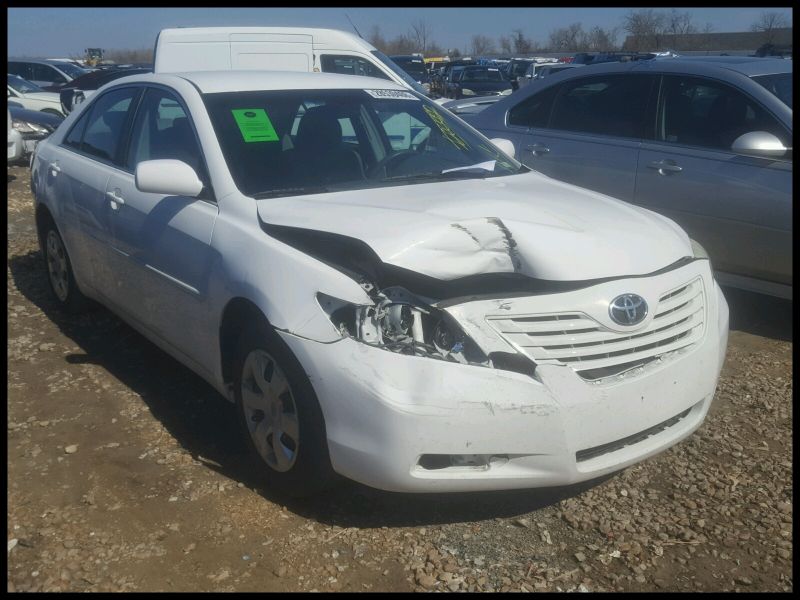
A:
[125,473]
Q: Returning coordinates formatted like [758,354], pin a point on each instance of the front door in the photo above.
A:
[166,240]
[738,207]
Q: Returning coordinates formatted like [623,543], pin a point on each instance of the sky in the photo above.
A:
[59,32]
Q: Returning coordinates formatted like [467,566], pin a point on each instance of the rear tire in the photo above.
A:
[279,415]
[59,270]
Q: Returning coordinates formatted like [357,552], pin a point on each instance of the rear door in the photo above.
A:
[593,134]
[738,207]
[164,241]
[79,171]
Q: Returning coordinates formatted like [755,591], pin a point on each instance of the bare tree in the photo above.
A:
[505,44]
[421,33]
[678,24]
[646,29]
[375,37]
[601,40]
[482,45]
[767,23]
[568,39]
[521,44]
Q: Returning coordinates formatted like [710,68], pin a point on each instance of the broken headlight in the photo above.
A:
[399,321]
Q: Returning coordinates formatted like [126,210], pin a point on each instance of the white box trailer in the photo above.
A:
[274,49]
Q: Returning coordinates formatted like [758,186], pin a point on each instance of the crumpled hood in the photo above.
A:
[529,224]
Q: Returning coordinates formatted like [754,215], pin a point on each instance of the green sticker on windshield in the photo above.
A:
[254,125]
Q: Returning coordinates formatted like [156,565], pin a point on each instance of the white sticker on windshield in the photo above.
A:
[393,94]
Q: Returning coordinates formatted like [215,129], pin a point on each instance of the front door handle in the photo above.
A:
[55,168]
[665,167]
[116,199]
[537,149]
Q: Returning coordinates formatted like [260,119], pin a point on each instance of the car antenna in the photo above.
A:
[354,27]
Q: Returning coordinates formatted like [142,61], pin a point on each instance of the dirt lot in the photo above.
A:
[125,473]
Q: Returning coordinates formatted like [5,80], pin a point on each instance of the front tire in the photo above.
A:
[279,415]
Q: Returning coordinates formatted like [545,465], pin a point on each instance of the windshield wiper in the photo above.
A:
[470,173]
[290,191]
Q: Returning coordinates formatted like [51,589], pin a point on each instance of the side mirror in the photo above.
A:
[759,143]
[169,177]
[504,145]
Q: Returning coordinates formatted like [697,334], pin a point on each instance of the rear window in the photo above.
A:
[472,74]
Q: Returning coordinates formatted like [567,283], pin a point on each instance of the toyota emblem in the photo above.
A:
[628,309]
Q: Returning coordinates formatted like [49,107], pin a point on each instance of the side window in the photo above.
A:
[701,112]
[106,123]
[534,111]
[73,138]
[21,69]
[350,65]
[47,73]
[612,105]
[162,130]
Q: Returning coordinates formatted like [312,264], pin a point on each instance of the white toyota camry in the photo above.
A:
[383,292]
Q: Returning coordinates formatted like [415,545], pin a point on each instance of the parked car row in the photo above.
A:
[47,74]
[368,316]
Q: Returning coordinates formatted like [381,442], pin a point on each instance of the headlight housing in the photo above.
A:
[506,92]
[26,127]
[401,322]
[467,92]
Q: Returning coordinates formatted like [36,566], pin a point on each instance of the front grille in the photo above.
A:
[589,453]
[595,352]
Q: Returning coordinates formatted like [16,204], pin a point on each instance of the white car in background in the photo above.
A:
[16,145]
[413,310]
[31,97]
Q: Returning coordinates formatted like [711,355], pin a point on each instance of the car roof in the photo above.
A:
[211,82]
[707,65]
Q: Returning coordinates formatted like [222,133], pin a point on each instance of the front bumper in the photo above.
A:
[384,411]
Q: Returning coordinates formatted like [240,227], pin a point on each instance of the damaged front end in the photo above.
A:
[402,322]
[399,320]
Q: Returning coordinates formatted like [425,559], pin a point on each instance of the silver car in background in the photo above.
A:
[705,141]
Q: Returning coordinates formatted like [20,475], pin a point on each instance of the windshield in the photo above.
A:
[478,74]
[518,68]
[283,143]
[70,69]
[400,72]
[779,84]
[22,86]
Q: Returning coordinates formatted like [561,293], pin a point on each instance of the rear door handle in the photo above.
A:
[116,199]
[665,167]
[55,168]
[537,149]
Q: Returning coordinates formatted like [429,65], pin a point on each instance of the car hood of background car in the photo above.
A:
[527,223]
[44,96]
[485,85]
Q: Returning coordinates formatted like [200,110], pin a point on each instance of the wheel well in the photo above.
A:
[238,314]
[43,218]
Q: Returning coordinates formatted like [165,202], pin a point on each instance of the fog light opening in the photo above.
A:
[437,462]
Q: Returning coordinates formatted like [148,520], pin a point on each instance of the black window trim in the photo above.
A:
[87,112]
[124,144]
[544,90]
[208,189]
[660,105]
